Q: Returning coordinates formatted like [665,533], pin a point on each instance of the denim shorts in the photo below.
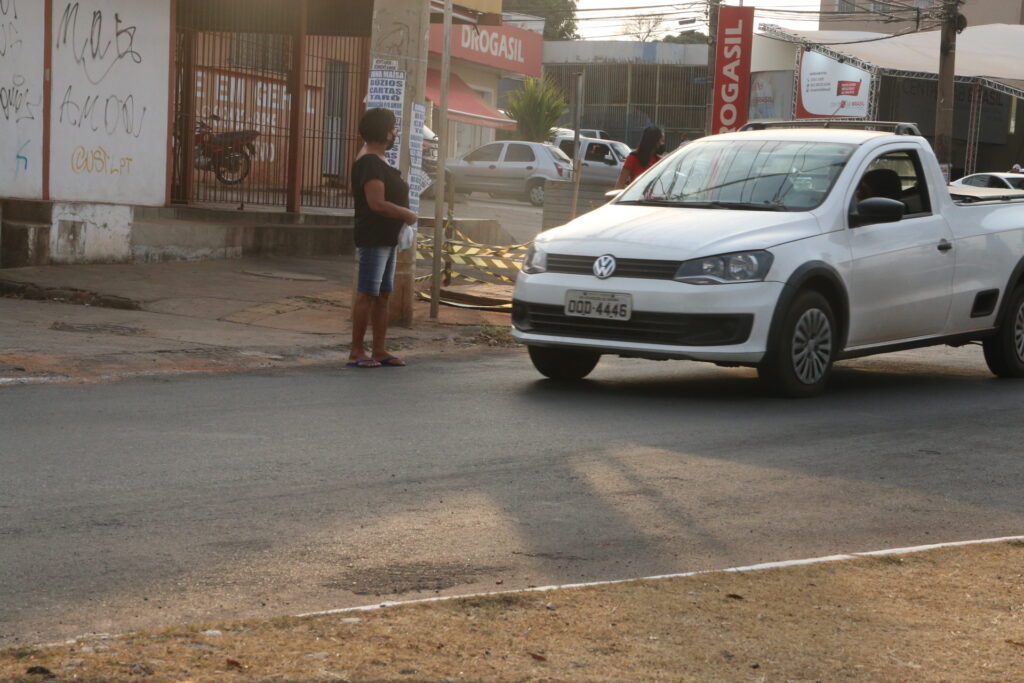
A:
[376,270]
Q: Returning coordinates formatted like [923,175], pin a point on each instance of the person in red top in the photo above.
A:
[646,154]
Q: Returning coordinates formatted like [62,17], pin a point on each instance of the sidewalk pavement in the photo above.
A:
[93,322]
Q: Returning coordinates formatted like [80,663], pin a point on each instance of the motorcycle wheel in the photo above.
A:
[232,168]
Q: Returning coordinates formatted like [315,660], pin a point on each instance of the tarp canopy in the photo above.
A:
[464,105]
[990,51]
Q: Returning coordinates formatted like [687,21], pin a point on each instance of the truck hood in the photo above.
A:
[670,233]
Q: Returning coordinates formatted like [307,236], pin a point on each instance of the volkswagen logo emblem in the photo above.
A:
[604,266]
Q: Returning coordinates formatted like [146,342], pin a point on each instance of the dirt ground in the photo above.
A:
[951,614]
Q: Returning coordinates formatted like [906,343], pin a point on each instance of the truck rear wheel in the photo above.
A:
[799,362]
[563,364]
[1004,352]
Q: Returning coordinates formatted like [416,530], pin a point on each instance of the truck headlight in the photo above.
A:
[535,261]
[745,266]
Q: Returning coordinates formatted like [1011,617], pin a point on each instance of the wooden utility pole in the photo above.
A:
[713,7]
[947,87]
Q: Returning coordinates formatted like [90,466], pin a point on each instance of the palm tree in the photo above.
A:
[536,107]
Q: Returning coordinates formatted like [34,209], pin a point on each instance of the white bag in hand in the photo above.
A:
[407,237]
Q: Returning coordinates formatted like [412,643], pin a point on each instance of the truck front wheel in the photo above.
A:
[563,364]
[1004,351]
[799,362]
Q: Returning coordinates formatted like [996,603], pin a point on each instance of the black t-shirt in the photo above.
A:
[373,229]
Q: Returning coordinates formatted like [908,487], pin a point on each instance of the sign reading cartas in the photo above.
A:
[732,68]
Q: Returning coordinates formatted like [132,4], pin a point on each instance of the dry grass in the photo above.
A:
[945,615]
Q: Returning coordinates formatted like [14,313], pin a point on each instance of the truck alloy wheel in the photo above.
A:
[799,362]
[1004,351]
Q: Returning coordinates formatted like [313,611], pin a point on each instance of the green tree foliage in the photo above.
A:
[536,107]
[560,16]
[687,38]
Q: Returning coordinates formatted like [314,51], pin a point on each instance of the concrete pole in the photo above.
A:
[442,158]
[401,31]
[947,88]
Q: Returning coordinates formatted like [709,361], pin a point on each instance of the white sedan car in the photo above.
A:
[997,181]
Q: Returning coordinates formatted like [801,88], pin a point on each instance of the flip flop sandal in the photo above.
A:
[363,363]
[392,362]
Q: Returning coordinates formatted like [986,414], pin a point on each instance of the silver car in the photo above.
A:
[510,167]
[600,160]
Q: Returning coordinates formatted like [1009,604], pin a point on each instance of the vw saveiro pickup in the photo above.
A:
[782,248]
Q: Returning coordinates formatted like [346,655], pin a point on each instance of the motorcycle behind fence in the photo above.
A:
[229,155]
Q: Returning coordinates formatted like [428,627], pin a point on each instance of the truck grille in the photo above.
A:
[624,267]
[677,329]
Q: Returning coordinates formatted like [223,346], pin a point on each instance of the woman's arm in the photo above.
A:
[374,190]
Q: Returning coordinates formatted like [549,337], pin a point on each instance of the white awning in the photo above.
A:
[990,51]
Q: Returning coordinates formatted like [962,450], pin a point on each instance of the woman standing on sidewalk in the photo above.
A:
[646,154]
[382,208]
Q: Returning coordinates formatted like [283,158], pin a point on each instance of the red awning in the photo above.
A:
[464,105]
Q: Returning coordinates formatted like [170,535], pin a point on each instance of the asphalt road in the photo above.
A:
[153,502]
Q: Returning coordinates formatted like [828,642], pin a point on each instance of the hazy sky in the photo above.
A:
[611,28]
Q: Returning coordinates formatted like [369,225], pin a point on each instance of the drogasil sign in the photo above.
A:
[732,68]
[503,47]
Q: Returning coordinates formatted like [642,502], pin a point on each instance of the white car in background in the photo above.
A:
[783,250]
[997,181]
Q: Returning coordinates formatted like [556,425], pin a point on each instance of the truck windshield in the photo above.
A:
[759,175]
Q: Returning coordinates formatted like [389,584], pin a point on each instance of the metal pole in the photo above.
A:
[577,167]
[297,112]
[442,158]
[946,88]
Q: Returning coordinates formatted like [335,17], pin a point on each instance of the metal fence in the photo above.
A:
[625,98]
[235,68]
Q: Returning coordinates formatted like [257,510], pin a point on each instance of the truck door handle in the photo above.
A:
[945,245]
[492,166]
[529,168]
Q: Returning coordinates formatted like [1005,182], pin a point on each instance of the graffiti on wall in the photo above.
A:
[109,106]
[21,97]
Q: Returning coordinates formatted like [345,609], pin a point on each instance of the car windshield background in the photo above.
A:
[621,148]
[559,155]
[755,174]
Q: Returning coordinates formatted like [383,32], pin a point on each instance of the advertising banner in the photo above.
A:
[831,89]
[387,90]
[771,95]
[732,68]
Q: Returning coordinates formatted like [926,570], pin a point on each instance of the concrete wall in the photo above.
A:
[21,98]
[111,66]
[597,51]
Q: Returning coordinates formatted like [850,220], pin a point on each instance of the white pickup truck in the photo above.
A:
[783,248]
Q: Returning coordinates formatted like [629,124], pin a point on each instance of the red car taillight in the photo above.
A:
[558,167]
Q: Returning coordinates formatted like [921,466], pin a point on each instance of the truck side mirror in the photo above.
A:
[877,210]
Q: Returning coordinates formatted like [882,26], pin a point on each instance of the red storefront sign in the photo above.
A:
[732,68]
[501,47]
